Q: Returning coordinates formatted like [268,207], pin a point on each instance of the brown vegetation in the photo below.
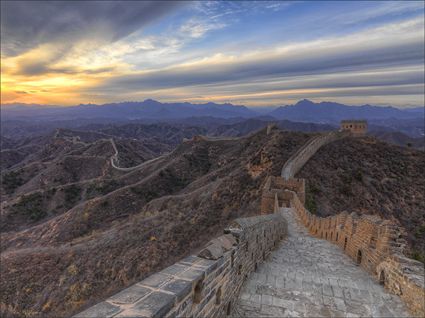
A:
[367,176]
[135,223]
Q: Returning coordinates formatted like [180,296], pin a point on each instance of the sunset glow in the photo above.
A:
[68,53]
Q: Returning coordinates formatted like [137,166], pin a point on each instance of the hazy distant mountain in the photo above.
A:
[247,126]
[400,139]
[413,127]
[209,115]
[329,112]
[126,110]
[303,111]
[420,110]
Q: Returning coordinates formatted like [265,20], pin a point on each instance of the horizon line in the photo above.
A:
[407,106]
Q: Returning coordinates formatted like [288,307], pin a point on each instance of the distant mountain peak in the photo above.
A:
[332,112]
[151,101]
[304,102]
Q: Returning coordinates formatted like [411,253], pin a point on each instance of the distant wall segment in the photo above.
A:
[202,285]
[300,157]
[115,159]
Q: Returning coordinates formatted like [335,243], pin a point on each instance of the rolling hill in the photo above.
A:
[100,243]
[67,212]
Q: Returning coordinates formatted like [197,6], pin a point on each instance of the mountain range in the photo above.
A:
[330,112]
[303,111]
[148,109]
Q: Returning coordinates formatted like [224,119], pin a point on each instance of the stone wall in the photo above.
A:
[207,284]
[376,245]
[273,190]
[202,285]
[404,277]
[300,157]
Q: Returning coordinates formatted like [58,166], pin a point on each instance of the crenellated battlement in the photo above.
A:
[376,245]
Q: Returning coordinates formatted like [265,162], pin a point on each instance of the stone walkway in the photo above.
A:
[310,277]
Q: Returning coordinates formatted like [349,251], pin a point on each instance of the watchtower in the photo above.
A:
[356,127]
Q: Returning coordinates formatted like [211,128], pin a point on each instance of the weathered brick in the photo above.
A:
[101,310]
[190,260]
[155,305]
[130,295]
[180,288]
[213,251]
[207,266]
[192,274]
[174,269]
[156,280]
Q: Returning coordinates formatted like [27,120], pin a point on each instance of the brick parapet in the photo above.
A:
[377,246]
[405,277]
[202,285]
[274,188]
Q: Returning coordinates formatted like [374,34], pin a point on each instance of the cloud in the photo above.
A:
[196,28]
[383,47]
[27,24]
[216,9]
[403,76]
[103,51]
[74,37]
[380,9]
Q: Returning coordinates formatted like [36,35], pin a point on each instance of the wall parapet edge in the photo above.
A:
[200,285]
[297,160]
[374,244]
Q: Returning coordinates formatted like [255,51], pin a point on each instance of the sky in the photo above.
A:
[261,53]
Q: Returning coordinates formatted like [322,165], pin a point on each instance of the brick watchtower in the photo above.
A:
[356,127]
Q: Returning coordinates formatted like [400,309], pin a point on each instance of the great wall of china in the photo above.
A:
[115,156]
[285,262]
[115,160]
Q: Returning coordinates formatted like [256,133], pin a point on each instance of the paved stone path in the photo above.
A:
[310,277]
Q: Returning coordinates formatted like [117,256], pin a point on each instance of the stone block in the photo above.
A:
[155,305]
[185,307]
[236,233]
[180,288]
[212,251]
[227,241]
[130,295]
[208,295]
[175,269]
[101,310]
[190,260]
[192,274]
[156,280]
[208,266]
